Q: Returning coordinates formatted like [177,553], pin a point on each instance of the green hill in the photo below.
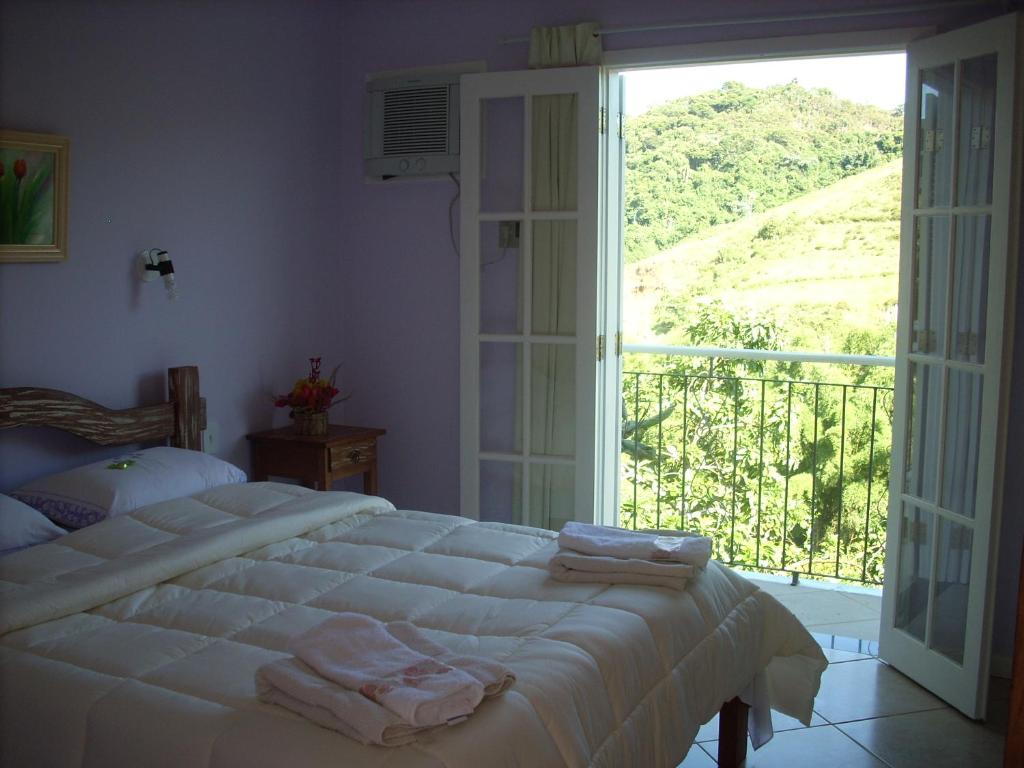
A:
[716,157]
[822,267]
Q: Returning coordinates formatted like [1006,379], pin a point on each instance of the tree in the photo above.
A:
[716,157]
[780,467]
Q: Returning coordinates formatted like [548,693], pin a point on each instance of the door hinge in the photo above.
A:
[600,348]
[981,137]
[914,531]
[618,343]
[924,342]
[933,140]
[603,120]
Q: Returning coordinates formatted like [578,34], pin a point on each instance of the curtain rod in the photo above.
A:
[847,14]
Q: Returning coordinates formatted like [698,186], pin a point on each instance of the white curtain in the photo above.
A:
[553,366]
[571,45]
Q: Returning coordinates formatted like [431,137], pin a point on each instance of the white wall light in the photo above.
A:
[154,263]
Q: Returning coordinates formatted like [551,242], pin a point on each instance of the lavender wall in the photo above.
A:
[208,129]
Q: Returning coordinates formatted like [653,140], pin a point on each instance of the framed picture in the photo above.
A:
[33,197]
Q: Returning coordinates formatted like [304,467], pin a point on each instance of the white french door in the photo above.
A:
[953,339]
[529,310]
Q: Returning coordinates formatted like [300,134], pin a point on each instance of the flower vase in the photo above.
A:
[313,424]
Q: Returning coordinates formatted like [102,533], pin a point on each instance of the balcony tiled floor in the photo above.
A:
[866,713]
[828,609]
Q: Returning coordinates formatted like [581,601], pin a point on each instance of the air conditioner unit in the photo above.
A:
[412,125]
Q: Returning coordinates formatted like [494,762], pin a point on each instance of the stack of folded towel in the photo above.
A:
[378,683]
[602,555]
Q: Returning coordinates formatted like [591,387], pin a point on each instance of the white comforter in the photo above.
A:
[134,642]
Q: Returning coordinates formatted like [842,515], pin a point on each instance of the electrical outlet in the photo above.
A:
[508,234]
[211,437]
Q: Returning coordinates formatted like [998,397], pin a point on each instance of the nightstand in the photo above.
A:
[317,460]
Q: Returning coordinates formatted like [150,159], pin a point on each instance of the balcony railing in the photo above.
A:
[785,471]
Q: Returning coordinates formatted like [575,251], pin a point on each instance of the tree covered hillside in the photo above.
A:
[820,269]
[718,156]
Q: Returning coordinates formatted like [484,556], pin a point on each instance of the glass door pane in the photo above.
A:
[555,152]
[501,491]
[935,136]
[501,277]
[952,588]
[914,579]
[554,278]
[931,270]
[501,176]
[552,488]
[922,445]
[501,399]
[552,401]
[977,124]
[970,287]
[962,441]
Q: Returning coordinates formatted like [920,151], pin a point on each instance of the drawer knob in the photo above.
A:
[354,457]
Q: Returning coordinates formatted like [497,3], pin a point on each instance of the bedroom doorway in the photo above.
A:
[943,405]
[761,257]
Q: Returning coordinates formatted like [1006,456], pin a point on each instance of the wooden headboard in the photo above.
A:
[181,420]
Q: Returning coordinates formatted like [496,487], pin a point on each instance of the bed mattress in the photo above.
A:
[136,641]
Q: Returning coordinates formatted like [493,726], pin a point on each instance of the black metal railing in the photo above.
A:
[784,473]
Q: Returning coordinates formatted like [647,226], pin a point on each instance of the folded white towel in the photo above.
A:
[293,685]
[296,686]
[618,542]
[592,569]
[359,653]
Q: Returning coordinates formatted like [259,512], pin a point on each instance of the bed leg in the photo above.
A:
[732,734]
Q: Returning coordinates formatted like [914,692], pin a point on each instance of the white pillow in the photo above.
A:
[21,526]
[86,495]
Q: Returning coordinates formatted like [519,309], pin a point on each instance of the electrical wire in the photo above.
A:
[504,253]
[451,214]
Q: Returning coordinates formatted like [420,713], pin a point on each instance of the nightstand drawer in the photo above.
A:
[317,460]
[352,454]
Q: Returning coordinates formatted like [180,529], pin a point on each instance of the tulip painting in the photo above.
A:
[26,197]
[33,193]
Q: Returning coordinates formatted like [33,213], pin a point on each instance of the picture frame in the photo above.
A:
[33,197]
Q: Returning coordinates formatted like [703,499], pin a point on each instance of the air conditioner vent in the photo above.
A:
[416,121]
[412,125]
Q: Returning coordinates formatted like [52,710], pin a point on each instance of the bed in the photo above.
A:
[135,641]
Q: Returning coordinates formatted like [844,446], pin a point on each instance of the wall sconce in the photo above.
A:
[156,262]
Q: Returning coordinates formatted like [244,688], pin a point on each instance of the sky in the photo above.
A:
[876,79]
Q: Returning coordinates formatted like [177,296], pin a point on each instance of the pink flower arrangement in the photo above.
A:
[311,394]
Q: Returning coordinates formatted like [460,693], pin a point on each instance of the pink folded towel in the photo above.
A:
[605,541]
[494,676]
[296,685]
[361,654]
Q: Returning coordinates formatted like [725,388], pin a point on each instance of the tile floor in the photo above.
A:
[828,609]
[866,713]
